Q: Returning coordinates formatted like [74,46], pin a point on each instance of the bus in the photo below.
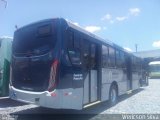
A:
[56,64]
[5,59]
[154,69]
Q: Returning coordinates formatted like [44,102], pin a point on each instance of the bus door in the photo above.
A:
[90,59]
[129,72]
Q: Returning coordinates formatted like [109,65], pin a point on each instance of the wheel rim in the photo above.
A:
[113,95]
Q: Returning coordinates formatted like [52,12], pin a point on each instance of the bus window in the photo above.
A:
[104,56]
[75,57]
[118,60]
[93,56]
[122,60]
[70,37]
[135,64]
[111,60]
[73,48]
[76,41]
[44,30]
[35,40]
[73,39]
[125,61]
[86,58]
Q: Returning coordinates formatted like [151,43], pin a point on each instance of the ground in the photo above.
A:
[143,100]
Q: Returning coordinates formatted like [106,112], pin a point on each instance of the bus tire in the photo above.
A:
[113,95]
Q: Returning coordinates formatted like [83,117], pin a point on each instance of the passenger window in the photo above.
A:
[93,56]
[86,57]
[118,60]
[70,37]
[104,56]
[44,30]
[75,57]
[76,41]
[111,60]
[122,60]
[89,55]
[74,51]
[134,63]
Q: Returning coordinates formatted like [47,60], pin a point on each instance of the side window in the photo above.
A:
[73,40]
[111,60]
[93,56]
[137,64]
[104,56]
[70,37]
[89,54]
[133,63]
[122,60]
[76,41]
[73,48]
[75,56]
[118,60]
[125,60]
[86,56]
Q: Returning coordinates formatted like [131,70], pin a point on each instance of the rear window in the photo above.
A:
[44,30]
[35,39]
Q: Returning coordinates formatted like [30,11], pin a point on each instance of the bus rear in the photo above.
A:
[35,61]
[56,64]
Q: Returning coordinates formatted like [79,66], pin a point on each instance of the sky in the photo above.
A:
[124,22]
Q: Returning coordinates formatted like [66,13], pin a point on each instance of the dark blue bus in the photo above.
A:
[56,64]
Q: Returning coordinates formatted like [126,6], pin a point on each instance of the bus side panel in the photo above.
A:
[94,86]
[71,87]
[122,85]
[108,77]
[105,84]
[105,92]
[70,82]
[135,80]
[72,98]
[86,93]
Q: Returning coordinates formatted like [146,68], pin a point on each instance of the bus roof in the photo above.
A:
[72,25]
[105,41]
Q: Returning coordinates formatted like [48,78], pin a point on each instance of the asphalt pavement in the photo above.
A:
[145,100]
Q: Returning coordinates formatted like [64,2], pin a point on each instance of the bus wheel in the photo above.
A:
[113,95]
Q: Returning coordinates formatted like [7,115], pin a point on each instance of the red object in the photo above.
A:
[66,94]
[52,79]
[53,94]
